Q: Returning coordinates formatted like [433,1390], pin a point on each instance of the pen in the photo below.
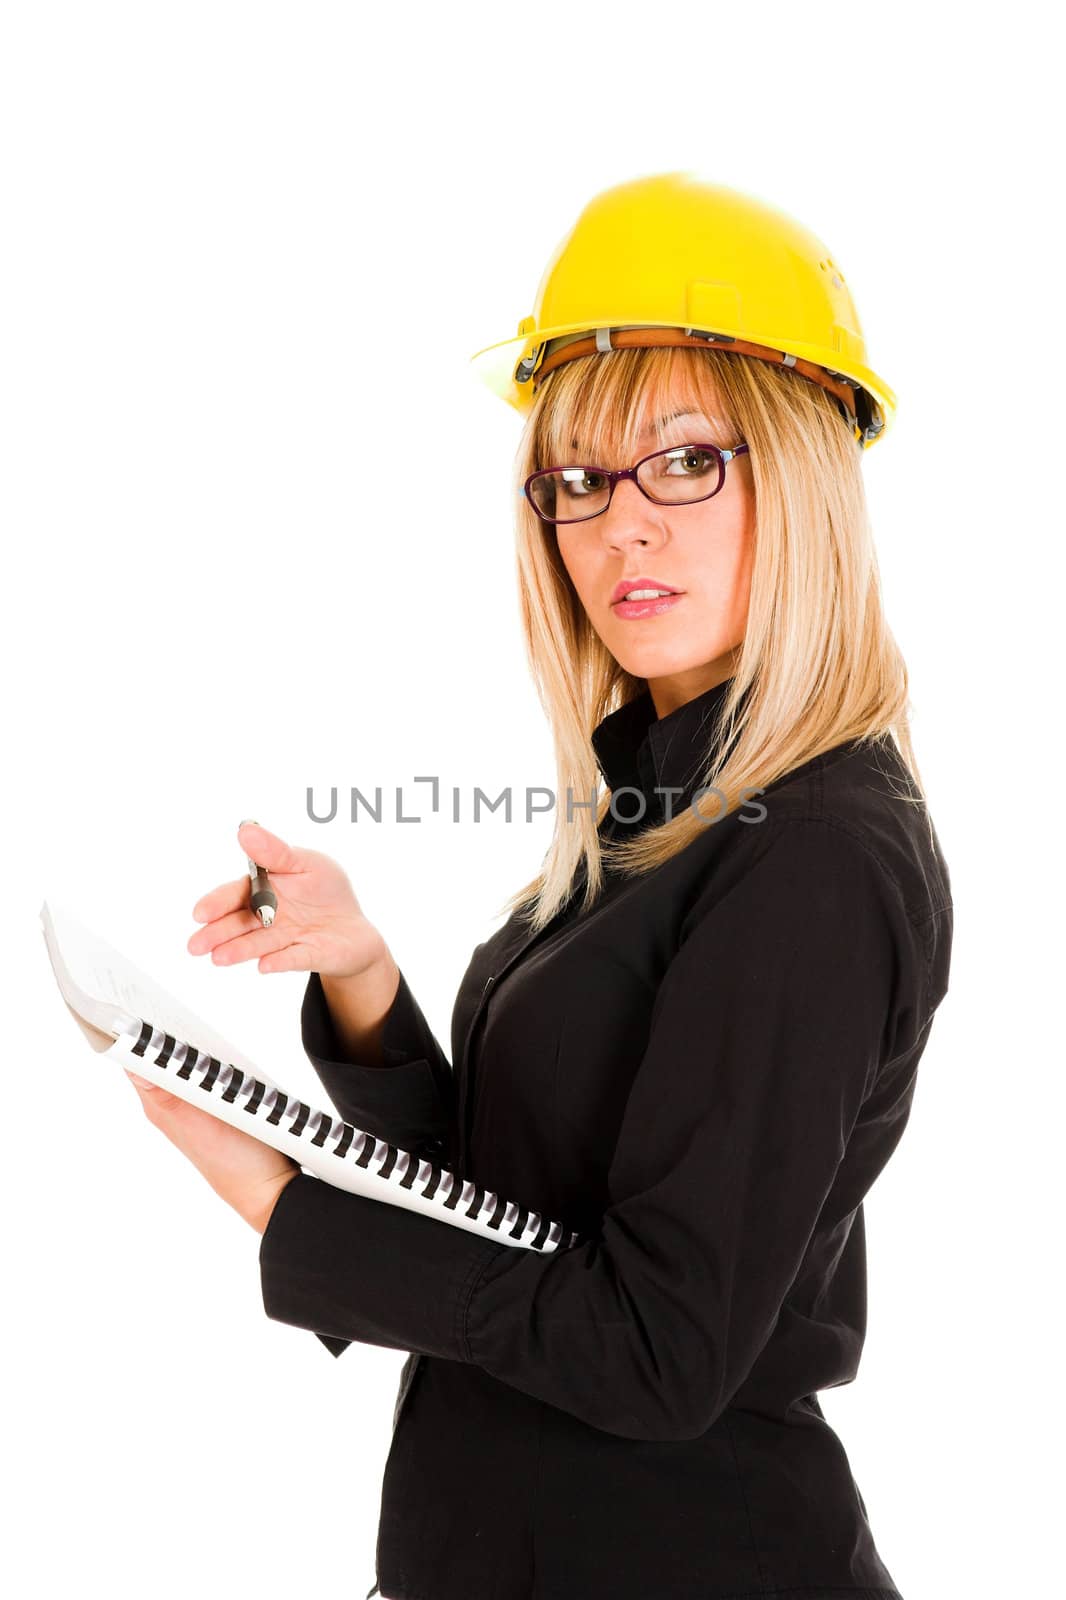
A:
[264,900]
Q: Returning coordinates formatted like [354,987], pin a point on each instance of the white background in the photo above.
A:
[247,252]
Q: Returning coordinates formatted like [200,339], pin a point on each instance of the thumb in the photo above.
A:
[260,845]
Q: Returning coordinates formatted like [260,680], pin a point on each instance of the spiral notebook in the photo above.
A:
[128,1017]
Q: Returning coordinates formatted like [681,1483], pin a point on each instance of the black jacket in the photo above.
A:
[703,1075]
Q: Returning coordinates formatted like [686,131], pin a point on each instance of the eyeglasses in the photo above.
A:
[681,476]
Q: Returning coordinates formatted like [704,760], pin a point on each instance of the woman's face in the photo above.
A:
[681,646]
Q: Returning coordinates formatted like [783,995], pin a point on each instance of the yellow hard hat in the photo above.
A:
[675,259]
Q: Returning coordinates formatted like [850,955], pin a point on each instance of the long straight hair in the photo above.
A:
[818,665]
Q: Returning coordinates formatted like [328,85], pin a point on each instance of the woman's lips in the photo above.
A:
[634,609]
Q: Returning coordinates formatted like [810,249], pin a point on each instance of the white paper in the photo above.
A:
[99,983]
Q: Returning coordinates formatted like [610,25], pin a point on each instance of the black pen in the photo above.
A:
[264,901]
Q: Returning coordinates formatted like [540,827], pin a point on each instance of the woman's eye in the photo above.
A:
[691,463]
[587,483]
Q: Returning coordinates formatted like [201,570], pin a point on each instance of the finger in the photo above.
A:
[294,957]
[260,845]
[153,1097]
[230,926]
[227,897]
[249,946]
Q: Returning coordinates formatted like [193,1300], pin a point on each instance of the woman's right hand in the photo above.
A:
[318,926]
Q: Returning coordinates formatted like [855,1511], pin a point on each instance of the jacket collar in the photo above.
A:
[634,748]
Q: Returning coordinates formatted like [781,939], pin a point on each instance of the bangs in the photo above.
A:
[609,410]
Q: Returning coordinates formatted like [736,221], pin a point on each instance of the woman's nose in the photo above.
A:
[630,518]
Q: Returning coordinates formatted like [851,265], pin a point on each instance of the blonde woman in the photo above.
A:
[696,1035]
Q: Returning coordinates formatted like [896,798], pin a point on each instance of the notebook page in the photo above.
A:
[107,990]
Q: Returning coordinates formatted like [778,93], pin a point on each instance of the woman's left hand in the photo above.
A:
[248,1174]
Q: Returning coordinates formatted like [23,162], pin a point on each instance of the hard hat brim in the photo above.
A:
[494,364]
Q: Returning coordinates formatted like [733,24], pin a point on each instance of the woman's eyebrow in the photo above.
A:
[671,416]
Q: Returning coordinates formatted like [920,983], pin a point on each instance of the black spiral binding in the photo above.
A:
[346,1142]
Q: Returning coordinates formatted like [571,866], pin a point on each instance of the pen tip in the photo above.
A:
[266,915]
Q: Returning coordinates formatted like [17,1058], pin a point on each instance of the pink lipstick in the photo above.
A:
[650,597]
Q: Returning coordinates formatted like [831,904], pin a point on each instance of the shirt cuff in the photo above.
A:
[402,1100]
[346,1266]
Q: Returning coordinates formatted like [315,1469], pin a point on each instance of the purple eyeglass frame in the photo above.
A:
[616,476]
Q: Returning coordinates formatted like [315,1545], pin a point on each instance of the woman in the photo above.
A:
[695,1038]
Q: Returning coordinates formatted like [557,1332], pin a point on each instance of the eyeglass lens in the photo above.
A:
[674,477]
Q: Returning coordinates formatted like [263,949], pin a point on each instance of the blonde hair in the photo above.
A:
[818,664]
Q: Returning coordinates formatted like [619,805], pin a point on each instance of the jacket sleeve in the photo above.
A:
[408,1099]
[768,1029]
